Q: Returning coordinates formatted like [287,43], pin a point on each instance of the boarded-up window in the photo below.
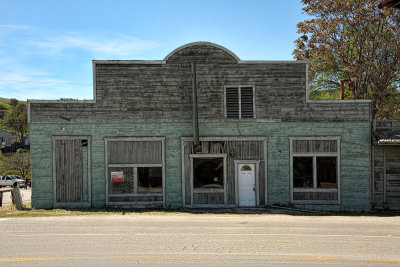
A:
[134,152]
[315,170]
[239,102]
[317,146]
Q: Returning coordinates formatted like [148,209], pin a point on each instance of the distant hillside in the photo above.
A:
[5,103]
[5,106]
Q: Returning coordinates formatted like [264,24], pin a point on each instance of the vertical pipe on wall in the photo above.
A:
[195,111]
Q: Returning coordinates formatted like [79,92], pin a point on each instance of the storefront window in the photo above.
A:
[208,173]
[149,179]
[303,172]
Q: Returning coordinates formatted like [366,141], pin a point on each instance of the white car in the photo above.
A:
[11,180]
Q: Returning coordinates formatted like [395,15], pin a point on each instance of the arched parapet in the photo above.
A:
[202,52]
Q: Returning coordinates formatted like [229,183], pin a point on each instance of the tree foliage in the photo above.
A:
[18,163]
[14,102]
[354,41]
[16,120]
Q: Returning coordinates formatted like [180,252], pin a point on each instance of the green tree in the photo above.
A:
[16,120]
[354,41]
[14,102]
[18,163]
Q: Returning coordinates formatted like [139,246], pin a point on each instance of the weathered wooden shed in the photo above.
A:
[386,165]
[200,128]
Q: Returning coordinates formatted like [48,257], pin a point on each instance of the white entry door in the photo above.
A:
[247,185]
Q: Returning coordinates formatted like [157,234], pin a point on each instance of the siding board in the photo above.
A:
[142,152]
[162,92]
[69,170]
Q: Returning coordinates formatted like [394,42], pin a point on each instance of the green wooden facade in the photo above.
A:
[138,101]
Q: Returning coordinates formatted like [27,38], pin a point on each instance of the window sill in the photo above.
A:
[240,119]
[209,190]
[315,190]
[316,202]
[137,195]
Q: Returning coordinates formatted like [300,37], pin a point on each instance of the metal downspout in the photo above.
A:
[195,110]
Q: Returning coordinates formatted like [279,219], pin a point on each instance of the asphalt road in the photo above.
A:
[201,240]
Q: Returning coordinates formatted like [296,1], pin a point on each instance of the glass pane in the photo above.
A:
[246,168]
[208,173]
[149,179]
[303,172]
[120,180]
[326,172]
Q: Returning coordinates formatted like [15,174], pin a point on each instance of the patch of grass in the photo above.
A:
[10,211]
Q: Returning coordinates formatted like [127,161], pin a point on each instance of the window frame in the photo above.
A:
[314,156]
[208,190]
[238,87]
[199,189]
[134,166]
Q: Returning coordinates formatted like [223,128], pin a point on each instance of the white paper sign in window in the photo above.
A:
[117,176]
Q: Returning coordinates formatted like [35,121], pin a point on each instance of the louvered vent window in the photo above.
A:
[239,102]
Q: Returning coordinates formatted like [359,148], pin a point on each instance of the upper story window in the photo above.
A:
[239,102]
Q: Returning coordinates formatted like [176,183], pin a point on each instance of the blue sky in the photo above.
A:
[47,47]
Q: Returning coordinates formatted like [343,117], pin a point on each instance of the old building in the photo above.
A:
[201,128]
[386,165]
[7,139]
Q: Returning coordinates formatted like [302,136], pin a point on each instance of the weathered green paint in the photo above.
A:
[355,156]
[154,98]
